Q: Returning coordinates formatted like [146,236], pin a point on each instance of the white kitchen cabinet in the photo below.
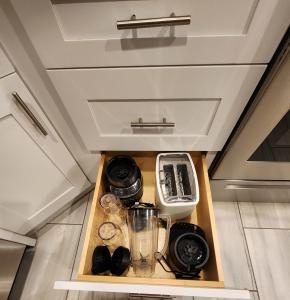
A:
[38,175]
[69,34]
[203,102]
[5,65]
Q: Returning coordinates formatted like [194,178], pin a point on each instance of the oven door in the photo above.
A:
[261,150]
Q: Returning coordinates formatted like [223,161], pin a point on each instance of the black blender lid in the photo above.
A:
[192,251]
[122,171]
[120,261]
[101,260]
[183,227]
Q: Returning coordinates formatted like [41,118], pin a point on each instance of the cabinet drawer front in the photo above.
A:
[5,65]
[215,293]
[211,282]
[191,117]
[203,103]
[85,34]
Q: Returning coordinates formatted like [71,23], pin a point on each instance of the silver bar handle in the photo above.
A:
[256,186]
[29,113]
[153,22]
[141,124]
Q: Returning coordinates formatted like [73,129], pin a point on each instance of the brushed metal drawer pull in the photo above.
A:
[141,124]
[29,113]
[153,22]
[256,186]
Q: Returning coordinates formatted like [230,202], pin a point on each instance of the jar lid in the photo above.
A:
[110,202]
[120,261]
[107,230]
[101,260]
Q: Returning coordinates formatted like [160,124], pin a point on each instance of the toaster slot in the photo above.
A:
[169,181]
[183,180]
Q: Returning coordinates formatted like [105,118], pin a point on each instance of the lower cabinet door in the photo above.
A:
[161,108]
[5,66]
[210,283]
[38,175]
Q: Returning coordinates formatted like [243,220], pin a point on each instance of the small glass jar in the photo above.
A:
[113,209]
[111,235]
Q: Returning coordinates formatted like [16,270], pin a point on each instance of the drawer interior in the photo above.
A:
[203,215]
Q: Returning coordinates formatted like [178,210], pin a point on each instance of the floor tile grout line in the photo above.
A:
[248,251]
[73,264]
[249,263]
[241,216]
[259,226]
[84,216]
[78,244]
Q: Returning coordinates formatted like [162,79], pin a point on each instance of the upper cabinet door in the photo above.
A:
[38,176]
[69,33]
[5,65]
[154,108]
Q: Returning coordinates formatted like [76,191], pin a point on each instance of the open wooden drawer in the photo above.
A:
[210,284]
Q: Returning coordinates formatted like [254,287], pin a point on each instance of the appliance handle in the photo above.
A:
[256,186]
[153,22]
[141,124]
[158,255]
[29,113]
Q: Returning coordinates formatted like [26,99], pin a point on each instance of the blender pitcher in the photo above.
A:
[143,232]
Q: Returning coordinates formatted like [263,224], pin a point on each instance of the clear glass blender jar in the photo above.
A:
[143,234]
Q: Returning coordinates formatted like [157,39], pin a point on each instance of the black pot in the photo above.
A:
[188,251]
[123,178]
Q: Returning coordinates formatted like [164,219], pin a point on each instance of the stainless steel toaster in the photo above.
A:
[177,184]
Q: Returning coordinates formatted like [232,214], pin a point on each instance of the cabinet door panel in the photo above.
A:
[5,66]
[84,33]
[37,174]
[204,103]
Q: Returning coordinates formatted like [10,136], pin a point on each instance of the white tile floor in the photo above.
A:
[254,241]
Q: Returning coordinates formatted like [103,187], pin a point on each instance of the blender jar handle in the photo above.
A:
[158,255]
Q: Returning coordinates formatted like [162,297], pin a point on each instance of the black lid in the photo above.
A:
[120,261]
[191,251]
[101,260]
[179,228]
[122,171]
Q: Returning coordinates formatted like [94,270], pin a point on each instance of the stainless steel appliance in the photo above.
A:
[255,163]
[177,184]
[10,256]
[124,179]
